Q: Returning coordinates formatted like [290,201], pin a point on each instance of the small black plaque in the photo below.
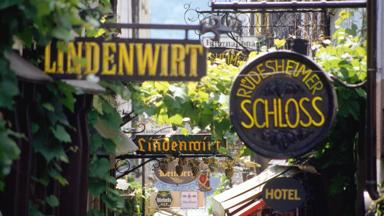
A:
[283,194]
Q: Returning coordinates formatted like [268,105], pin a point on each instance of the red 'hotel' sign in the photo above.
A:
[282,104]
[127,59]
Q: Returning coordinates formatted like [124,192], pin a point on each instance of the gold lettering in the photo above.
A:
[166,145]
[268,113]
[177,60]
[174,146]
[141,142]
[74,56]
[292,100]
[125,59]
[318,111]
[156,145]
[244,109]
[47,60]
[269,194]
[164,60]
[243,93]
[183,145]
[193,51]
[109,50]
[92,55]
[148,58]
[305,111]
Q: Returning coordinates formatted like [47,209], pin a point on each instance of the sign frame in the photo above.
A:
[118,58]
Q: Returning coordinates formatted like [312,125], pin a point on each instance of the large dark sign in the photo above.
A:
[190,144]
[127,59]
[282,104]
[164,199]
[283,194]
[171,176]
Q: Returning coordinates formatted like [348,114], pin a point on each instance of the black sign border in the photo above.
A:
[330,90]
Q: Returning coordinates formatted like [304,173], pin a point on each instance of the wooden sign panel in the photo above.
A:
[282,104]
[283,194]
[189,144]
[171,176]
[127,59]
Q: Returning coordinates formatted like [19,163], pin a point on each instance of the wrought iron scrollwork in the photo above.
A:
[262,25]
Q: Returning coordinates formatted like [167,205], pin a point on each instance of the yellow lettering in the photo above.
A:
[269,194]
[177,60]
[148,58]
[141,142]
[321,122]
[268,113]
[164,60]
[244,109]
[109,50]
[125,59]
[74,56]
[47,60]
[193,51]
[305,111]
[293,101]
[92,55]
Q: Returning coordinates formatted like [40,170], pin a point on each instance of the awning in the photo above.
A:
[28,72]
[245,197]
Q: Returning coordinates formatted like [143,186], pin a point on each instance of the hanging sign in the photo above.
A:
[171,176]
[283,194]
[204,181]
[126,59]
[164,199]
[189,144]
[282,104]
[231,56]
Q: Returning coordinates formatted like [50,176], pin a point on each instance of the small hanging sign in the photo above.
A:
[172,177]
[282,104]
[164,199]
[175,144]
[283,194]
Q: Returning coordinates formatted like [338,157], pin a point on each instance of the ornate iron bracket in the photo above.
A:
[126,168]
[216,28]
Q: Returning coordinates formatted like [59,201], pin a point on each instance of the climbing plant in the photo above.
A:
[27,25]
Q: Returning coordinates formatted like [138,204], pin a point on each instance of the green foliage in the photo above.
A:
[345,57]
[8,150]
[205,103]
[105,123]
[50,128]
[34,23]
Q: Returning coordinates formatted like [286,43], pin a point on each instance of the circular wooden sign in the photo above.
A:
[282,104]
[164,199]
[283,194]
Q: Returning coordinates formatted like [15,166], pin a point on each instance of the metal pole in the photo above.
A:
[287,5]
[143,188]
[150,26]
[371,181]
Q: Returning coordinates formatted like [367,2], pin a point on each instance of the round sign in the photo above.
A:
[282,104]
[283,194]
[164,199]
